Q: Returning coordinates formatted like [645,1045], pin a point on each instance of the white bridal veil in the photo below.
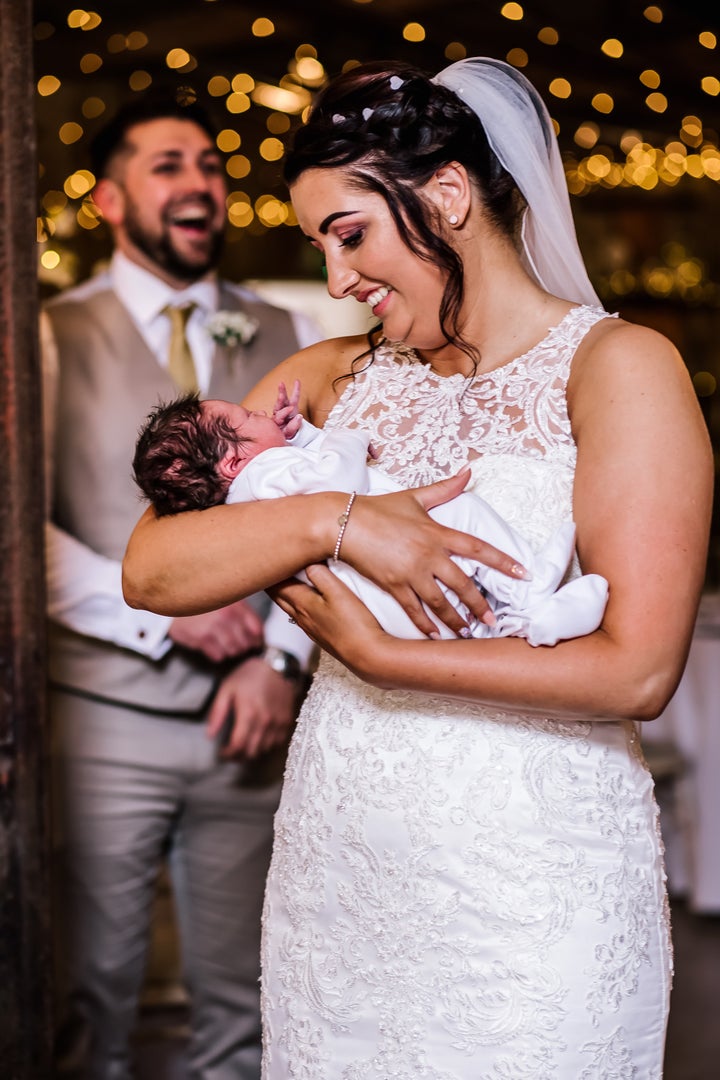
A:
[520,131]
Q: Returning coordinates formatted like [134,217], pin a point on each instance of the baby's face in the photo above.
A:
[259,428]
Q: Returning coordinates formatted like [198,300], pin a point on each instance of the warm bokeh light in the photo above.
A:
[237,103]
[270,211]
[240,211]
[218,86]
[310,71]
[603,103]
[518,58]
[414,31]
[88,216]
[548,35]
[139,80]
[613,48]
[277,123]
[242,83]
[587,135]
[657,102]
[77,17]
[281,99]
[91,21]
[691,131]
[48,85]
[263,28]
[599,154]
[79,184]
[54,202]
[70,133]
[271,149]
[512,11]
[177,58]
[705,383]
[560,88]
[90,62]
[136,40]
[238,166]
[228,140]
[629,139]
[455,51]
[93,107]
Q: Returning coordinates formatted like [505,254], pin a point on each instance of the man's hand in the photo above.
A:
[230,631]
[262,705]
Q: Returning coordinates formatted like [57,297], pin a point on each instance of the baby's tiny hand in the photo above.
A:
[285,410]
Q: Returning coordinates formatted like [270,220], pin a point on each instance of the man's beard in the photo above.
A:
[160,249]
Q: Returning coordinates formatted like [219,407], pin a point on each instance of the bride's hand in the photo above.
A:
[334,618]
[392,540]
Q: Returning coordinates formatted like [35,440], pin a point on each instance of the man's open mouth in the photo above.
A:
[193,218]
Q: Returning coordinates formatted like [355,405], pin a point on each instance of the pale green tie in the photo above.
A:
[180,360]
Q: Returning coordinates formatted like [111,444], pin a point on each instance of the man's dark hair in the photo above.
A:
[111,139]
[177,455]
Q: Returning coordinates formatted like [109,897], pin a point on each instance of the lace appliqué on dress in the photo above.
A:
[458,892]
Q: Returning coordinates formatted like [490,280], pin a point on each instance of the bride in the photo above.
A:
[467,880]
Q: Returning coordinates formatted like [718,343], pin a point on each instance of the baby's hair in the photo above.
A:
[178,451]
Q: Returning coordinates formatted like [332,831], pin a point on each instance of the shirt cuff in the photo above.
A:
[144,632]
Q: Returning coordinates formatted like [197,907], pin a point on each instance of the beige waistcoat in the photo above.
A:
[109,380]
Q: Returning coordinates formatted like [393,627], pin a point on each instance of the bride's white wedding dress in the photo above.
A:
[460,892]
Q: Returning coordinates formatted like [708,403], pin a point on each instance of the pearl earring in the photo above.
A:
[453,219]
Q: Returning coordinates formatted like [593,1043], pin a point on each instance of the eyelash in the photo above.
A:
[353,240]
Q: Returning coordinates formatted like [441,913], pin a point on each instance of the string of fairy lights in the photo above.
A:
[594,161]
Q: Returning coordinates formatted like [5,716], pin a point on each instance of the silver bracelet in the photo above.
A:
[342,522]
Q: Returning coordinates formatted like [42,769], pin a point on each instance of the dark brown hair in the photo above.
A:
[162,105]
[178,451]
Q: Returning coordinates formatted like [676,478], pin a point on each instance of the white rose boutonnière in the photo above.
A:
[232,328]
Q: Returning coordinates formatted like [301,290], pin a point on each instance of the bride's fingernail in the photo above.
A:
[434,636]
[489,618]
[520,572]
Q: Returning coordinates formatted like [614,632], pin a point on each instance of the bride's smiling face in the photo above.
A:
[367,258]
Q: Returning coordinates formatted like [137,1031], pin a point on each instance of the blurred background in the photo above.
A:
[634,90]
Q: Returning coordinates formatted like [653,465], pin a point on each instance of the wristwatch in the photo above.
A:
[283,662]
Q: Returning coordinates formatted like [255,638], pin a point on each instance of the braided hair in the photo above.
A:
[392,128]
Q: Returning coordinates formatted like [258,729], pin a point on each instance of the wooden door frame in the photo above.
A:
[25,954]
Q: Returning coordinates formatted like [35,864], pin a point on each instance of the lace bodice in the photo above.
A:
[511,425]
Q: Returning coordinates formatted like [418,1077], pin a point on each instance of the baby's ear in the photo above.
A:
[230,464]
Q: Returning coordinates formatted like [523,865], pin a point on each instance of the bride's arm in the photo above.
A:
[201,560]
[642,506]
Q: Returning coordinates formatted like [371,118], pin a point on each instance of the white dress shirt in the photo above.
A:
[85,588]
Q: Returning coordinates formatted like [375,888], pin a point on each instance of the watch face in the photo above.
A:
[283,662]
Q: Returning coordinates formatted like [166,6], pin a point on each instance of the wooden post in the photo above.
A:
[25,966]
